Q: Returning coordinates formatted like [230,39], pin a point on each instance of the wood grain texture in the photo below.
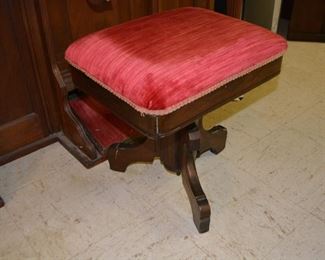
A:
[25,116]
[235,8]
[307,21]
[14,80]
[20,132]
[199,203]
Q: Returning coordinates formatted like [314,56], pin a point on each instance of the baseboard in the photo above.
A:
[78,154]
[22,151]
[57,137]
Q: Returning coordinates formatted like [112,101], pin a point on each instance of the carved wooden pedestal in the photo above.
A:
[177,152]
[177,138]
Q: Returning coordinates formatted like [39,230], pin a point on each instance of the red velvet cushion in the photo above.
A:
[159,63]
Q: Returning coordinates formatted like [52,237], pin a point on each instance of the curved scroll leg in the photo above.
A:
[2,203]
[213,139]
[121,155]
[199,203]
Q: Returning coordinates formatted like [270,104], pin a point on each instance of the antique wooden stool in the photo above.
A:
[155,77]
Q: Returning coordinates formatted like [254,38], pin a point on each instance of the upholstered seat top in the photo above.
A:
[161,62]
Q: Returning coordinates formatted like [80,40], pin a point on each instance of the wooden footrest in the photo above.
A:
[102,126]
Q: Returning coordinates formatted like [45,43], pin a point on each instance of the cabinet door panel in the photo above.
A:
[14,101]
[21,116]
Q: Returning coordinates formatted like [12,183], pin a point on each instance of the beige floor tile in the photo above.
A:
[319,210]
[306,55]
[100,213]
[60,229]
[306,242]
[151,182]
[284,104]
[253,225]
[290,162]
[226,183]
[152,237]
[237,138]
[34,166]
[74,181]
[13,245]
[262,111]
[300,79]
[50,233]
[223,183]
[275,154]
[312,123]
[240,121]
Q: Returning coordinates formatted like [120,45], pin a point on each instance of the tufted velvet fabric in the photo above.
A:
[161,62]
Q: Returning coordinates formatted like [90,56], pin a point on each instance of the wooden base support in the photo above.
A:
[198,201]
[213,140]
[121,155]
[177,153]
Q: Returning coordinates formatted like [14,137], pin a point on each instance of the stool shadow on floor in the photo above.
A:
[2,203]
[232,108]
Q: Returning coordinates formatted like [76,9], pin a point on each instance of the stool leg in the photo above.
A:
[199,203]
[121,155]
[213,139]
[2,203]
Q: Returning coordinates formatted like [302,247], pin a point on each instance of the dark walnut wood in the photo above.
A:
[24,118]
[100,5]
[177,153]
[213,140]
[190,145]
[2,203]
[307,21]
[81,145]
[235,8]
[121,155]
[73,136]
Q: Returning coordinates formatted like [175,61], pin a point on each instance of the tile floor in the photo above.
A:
[266,189]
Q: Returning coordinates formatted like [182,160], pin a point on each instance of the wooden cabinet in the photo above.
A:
[162,5]
[307,21]
[23,114]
